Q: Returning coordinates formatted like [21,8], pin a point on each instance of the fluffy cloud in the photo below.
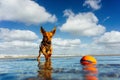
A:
[17,45]
[17,40]
[65,46]
[26,11]
[109,37]
[24,35]
[83,24]
[94,4]
[66,42]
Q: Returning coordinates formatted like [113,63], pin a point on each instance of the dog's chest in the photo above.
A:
[46,46]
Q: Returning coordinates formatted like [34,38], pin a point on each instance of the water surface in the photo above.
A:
[63,68]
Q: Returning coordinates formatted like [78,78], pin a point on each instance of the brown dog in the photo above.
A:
[46,46]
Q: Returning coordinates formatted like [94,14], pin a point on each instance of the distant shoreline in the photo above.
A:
[54,56]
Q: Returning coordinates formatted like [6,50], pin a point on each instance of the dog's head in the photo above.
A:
[47,36]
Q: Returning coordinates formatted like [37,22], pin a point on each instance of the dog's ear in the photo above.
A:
[42,30]
[54,30]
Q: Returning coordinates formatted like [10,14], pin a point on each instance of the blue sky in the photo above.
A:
[83,26]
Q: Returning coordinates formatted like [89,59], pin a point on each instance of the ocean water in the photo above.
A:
[62,68]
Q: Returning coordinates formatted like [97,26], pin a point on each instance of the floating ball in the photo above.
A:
[87,60]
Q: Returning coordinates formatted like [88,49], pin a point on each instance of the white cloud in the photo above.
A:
[109,37]
[110,40]
[18,41]
[66,42]
[18,45]
[65,46]
[106,44]
[94,4]
[76,47]
[26,11]
[83,24]
[24,35]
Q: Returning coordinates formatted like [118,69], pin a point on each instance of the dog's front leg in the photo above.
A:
[48,56]
[38,58]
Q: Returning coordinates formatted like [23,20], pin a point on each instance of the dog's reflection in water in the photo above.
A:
[45,70]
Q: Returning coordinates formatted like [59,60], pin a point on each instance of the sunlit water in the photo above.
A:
[65,68]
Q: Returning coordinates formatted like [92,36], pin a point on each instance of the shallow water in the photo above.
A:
[65,68]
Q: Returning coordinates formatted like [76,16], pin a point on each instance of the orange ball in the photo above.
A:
[87,60]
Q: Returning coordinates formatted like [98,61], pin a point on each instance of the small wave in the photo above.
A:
[110,74]
[109,65]
[65,70]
